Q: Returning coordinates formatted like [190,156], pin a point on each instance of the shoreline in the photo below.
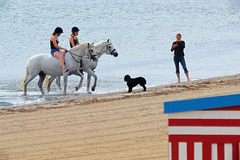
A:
[119,126]
[137,93]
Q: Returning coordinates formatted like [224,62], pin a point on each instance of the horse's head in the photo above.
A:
[110,48]
[92,52]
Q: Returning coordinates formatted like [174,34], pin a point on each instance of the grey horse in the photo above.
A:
[43,64]
[89,65]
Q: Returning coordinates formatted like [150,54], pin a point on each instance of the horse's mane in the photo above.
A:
[99,43]
[77,47]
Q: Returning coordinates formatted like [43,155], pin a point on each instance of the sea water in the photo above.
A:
[142,32]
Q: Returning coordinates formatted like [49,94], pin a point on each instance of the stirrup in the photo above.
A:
[81,70]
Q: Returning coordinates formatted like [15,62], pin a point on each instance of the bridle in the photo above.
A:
[107,48]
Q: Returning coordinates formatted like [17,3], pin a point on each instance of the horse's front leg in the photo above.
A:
[88,83]
[65,78]
[81,79]
[91,73]
[95,81]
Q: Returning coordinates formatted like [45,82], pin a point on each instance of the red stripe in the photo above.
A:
[190,151]
[174,150]
[236,150]
[205,138]
[235,108]
[220,151]
[207,151]
[204,122]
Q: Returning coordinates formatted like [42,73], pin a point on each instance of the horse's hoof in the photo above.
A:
[93,89]
[89,92]
[76,88]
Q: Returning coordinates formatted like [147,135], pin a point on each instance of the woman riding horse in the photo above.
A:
[73,40]
[55,48]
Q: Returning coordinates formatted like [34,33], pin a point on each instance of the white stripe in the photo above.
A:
[214,151]
[204,130]
[198,151]
[206,115]
[170,150]
[228,151]
[182,151]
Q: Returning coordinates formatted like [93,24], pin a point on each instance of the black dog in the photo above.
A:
[132,82]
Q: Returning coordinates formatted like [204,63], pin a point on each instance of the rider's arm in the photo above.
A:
[77,41]
[53,39]
[71,41]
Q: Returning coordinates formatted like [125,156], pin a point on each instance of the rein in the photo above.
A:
[71,53]
[74,54]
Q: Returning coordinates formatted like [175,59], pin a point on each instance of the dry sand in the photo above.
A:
[112,127]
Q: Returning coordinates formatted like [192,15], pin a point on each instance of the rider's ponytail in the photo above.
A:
[56,34]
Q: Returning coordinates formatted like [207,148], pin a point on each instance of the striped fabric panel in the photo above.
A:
[185,130]
[213,114]
[205,135]
[216,151]
[205,122]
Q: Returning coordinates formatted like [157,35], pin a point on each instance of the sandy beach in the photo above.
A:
[119,126]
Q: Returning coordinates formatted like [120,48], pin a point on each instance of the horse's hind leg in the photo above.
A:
[40,81]
[29,79]
[50,80]
[58,82]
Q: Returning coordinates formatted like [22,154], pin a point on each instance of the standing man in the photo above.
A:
[178,47]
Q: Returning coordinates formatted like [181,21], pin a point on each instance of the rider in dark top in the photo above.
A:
[55,48]
[73,40]
[178,48]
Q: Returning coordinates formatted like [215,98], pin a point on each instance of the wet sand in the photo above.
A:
[120,126]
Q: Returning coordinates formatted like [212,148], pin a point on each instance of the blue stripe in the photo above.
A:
[202,103]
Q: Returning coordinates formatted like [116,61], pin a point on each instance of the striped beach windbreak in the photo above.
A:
[204,129]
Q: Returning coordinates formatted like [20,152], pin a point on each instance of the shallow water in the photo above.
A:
[141,31]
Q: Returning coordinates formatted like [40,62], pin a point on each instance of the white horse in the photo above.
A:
[44,64]
[89,65]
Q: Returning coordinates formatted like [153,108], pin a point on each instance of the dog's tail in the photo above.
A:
[145,82]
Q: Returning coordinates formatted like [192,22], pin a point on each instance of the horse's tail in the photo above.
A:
[26,76]
[46,81]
